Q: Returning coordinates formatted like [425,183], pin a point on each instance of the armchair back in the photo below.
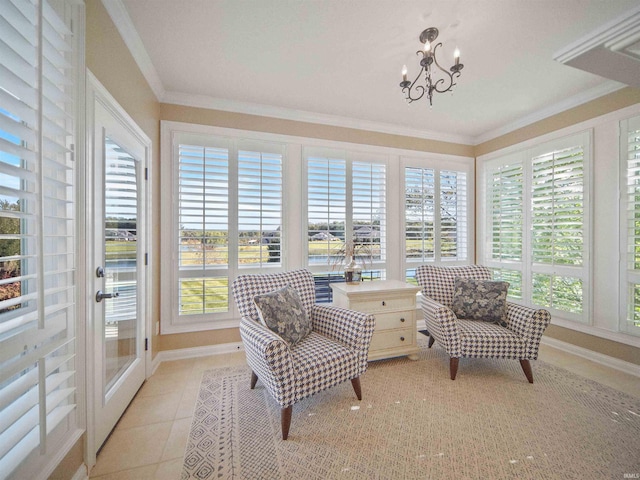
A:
[245,287]
[438,283]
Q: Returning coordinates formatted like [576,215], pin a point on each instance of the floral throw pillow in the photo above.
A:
[282,312]
[480,300]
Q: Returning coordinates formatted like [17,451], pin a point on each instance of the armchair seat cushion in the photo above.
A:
[320,363]
[482,339]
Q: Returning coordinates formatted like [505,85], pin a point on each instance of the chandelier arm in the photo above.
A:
[418,88]
[446,72]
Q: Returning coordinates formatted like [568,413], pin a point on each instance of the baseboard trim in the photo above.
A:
[600,358]
[194,352]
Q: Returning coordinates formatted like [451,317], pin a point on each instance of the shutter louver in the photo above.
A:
[37,232]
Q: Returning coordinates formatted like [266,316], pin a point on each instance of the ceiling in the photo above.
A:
[339,62]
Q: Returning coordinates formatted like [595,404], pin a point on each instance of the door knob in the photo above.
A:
[100,295]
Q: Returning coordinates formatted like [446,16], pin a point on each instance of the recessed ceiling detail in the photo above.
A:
[612,51]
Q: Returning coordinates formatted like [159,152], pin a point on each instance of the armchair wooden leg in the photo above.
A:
[254,379]
[453,367]
[356,387]
[285,420]
[431,340]
[526,368]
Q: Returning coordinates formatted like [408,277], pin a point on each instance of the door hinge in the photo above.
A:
[146,173]
[146,344]
[146,259]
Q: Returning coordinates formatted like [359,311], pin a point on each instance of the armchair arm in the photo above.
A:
[530,324]
[349,327]
[269,357]
[441,323]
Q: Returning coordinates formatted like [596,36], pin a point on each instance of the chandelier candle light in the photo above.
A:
[415,92]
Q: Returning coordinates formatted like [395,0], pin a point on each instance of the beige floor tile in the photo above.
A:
[187,402]
[129,448]
[151,409]
[177,440]
[170,470]
[163,384]
[147,472]
[175,366]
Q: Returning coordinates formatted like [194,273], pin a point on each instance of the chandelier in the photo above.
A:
[414,91]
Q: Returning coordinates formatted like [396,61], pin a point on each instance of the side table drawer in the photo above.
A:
[388,321]
[382,304]
[391,339]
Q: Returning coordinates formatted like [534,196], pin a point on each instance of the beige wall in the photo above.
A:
[242,121]
[600,106]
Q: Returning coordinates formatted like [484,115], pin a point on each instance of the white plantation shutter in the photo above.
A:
[453,215]
[203,228]
[436,205]
[227,221]
[420,188]
[537,228]
[630,149]
[558,228]
[326,204]
[368,200]
[505,203]
[37,228]
[259,204]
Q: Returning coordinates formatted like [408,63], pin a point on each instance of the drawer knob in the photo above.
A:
[402,320]
[383,303]
[402,339]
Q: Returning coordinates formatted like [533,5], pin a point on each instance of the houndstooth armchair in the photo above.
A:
[335,351]
[471,338]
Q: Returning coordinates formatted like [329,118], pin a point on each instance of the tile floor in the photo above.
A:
[149,440]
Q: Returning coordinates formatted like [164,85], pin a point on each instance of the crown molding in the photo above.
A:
[571,102]
[611,51]
[203,101]
[122,21]
[614,35]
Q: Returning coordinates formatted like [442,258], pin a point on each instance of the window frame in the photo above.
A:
[171,139]
[349,157]
[438,163]
[524,154]
[294,223]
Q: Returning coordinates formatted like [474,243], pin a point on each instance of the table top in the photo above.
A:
[386,286]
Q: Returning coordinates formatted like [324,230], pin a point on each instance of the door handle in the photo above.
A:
[100,295]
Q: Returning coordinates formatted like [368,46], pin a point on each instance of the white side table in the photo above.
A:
[393,303]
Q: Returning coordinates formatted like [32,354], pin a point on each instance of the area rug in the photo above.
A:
[415,423]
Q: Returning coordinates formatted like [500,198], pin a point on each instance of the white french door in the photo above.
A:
[116,266]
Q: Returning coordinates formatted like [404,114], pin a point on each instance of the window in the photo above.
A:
[227,220]
[630,208]
[435,216]
[37,232]
[346,202]
[536,227]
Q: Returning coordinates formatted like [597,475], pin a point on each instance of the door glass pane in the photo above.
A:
[120,235]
